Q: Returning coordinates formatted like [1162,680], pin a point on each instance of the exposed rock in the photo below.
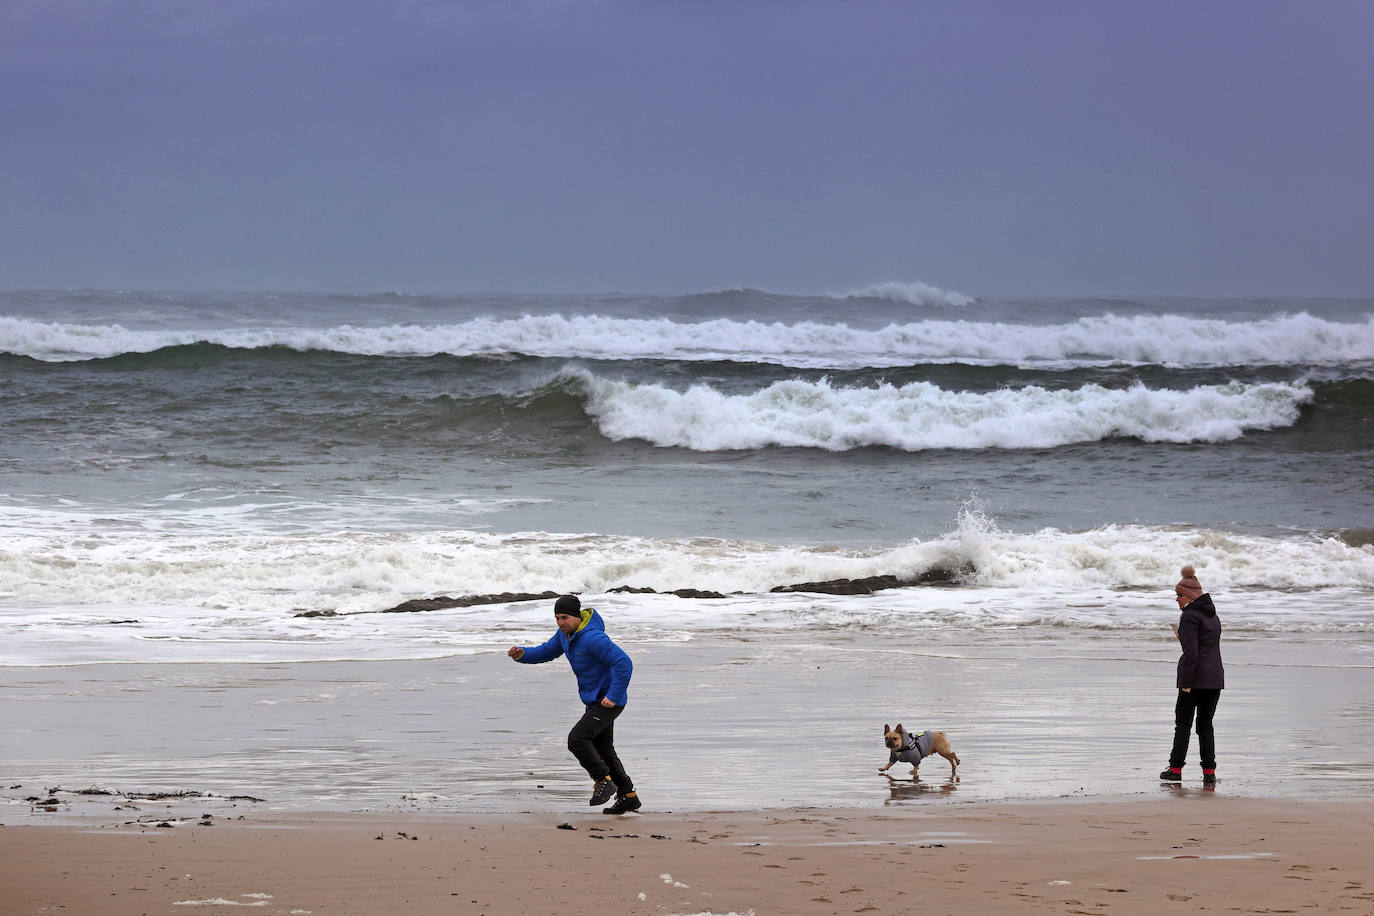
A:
[680,592]
[443,601]
[871,584]
[318,614]
[866,586]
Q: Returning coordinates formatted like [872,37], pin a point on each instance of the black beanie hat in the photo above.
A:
[568,604]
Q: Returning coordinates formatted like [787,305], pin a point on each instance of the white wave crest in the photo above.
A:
[73,594]
[920,416]
[914,293]
[1143,339]
[72,559]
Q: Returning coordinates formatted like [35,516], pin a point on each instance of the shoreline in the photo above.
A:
[1183,851]
[1033,715]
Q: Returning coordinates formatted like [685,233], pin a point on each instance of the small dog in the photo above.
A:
[911,748]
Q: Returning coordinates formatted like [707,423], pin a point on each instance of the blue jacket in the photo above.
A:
[602,668]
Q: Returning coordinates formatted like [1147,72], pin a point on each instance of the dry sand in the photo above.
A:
[1183,851]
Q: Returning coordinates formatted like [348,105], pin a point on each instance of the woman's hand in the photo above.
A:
[515,652]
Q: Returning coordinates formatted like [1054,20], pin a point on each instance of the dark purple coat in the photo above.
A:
[1199,633]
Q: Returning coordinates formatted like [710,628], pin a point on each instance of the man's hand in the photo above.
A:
[606,701]
[515,652]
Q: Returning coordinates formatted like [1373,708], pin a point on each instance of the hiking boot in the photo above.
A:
[623,805]
[603,792]
[1170,776]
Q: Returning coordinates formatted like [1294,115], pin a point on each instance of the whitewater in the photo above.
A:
[185,474]
[1166,340]
[216,509]
[916,416]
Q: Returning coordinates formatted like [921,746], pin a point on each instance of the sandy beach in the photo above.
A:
[365,788]
[439,785]
[1183,851]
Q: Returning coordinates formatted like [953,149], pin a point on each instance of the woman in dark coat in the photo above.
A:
[1200,678]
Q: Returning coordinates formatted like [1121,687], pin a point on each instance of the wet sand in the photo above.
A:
[1183,851]
[438,786]
[714,724]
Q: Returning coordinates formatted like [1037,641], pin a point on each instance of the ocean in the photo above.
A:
[183,474]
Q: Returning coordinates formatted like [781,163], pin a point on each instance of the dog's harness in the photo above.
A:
[915,749]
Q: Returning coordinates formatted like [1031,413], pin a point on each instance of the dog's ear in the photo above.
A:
[885,728]
[898,729]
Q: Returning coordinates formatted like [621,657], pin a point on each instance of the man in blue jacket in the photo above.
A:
[603,678]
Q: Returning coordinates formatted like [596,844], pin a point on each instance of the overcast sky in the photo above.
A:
[1015,148]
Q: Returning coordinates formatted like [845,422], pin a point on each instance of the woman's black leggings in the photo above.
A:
[1203,704]
[592,741]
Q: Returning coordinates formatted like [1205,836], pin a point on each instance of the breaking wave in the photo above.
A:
[920,415]
[1169,340]
[913,293]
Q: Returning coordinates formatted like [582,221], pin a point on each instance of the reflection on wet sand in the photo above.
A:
[905,790]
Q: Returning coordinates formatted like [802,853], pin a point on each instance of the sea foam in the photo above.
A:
[1171,340]
[72,594]
[74,561]
[920,415]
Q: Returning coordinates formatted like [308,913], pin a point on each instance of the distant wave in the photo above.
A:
[1169,340]
[920,416]
[913,293]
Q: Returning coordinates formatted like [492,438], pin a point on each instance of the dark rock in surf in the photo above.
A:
[680,592]
[867,586]
[935,576]
[443,602]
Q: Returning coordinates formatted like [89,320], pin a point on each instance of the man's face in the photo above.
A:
[568,623]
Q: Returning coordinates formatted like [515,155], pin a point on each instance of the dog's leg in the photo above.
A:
[953,759]
[940,745]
